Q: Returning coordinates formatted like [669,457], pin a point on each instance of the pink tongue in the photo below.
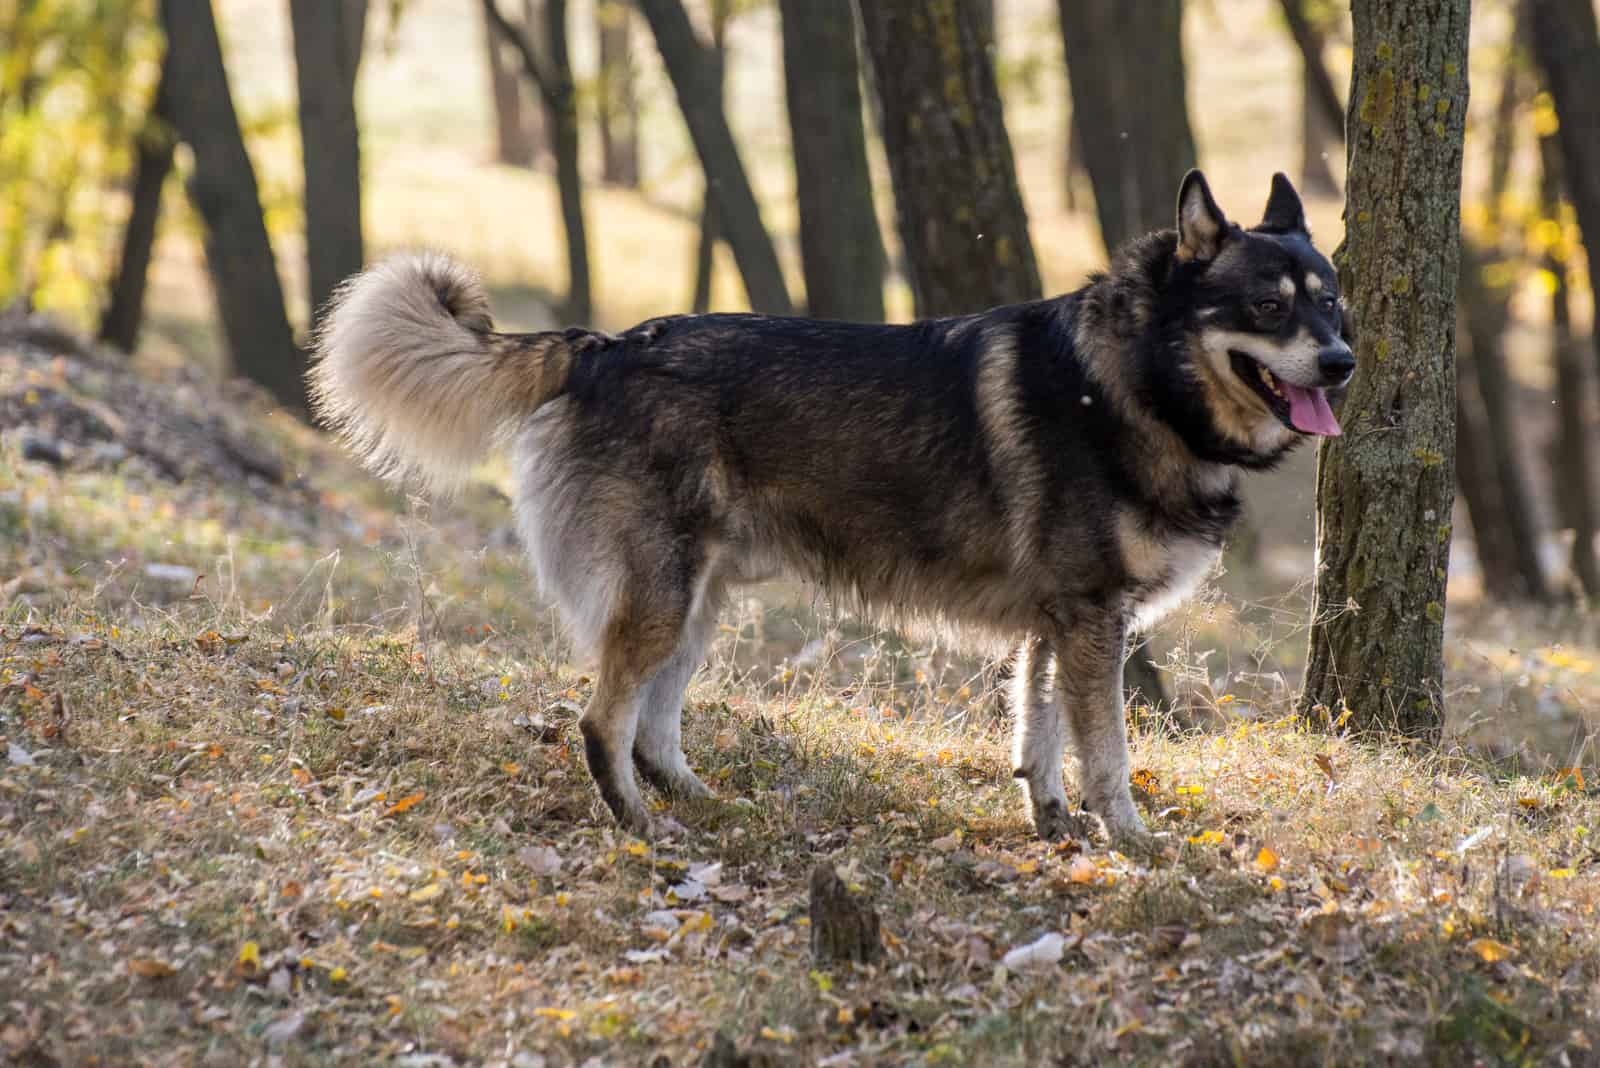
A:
[1309,411]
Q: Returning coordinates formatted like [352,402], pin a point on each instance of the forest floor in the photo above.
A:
[292,777]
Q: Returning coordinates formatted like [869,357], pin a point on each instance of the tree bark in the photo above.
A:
[1125,71]
[1486,314]
[1567,46]
[1384,489]
[616,106]
[223,187]
[960,212]
[516,131]
[840,246]
[552,77]
[692,71]
[1574,492]
[328,36]
[124,315]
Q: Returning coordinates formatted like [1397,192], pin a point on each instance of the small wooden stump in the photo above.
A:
[843,928]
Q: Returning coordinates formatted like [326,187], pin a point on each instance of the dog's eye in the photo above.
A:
[1269,306]
[1328,303]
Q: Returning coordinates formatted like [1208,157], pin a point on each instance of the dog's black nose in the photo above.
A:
[1336,363]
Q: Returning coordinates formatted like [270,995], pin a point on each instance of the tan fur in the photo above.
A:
[409,374]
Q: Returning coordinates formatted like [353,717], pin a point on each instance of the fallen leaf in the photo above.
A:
[426,893]
[1047,949]
[1082,870]
[405,804]
[1491,951]
[541,861]
[150,968]
[1266,860]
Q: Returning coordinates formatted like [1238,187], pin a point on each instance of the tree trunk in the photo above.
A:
[705,255]
[616,106]
[1384,489]
[552,77]
[124,315]
[1486,314]
[705,251]
[1567,46]
[561,116]
[516,134]
[692,71]
[328,36]
[223,187]
[840,246]
[1574,495]
[1125,71]
[1321,96]
[960,212]
[1479,484]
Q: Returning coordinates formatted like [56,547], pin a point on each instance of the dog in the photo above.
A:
[1043,477]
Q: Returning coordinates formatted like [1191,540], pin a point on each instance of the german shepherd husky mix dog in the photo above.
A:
[1044,475]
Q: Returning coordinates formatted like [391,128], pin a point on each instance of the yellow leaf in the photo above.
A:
[1275,884]
[1081,870]
[427,893]
[638,849]
[1266,860]
[1529,802]
[511,767]
[1491,951]
[250,955]
[149,968]
[405,804]
[338,975]
[1206,838]
[550,1013]
[508,919]
[1188,789]
[1562,873]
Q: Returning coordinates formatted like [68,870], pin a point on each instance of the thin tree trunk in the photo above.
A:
[1072,165]
[124,315]
[223,187]
[328,36]
[552,77]
[1574,494]
[960,212]
[705,251]
[1384,489]
[1486,316]
[1125,69]
[616,107]
[840,246]
[705,255]
[1318,83]
[1567,46]
[1479,484]
[691,69]
[1317,138]
[515,129]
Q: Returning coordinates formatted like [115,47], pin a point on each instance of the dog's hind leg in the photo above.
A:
[645,631]
[658,746]
[1089,676]
[1038,738]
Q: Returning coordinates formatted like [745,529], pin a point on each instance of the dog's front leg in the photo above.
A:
[1089,676]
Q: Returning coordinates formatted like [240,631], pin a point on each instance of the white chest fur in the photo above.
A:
[1163,568]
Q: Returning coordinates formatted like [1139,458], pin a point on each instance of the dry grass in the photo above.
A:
[326,805]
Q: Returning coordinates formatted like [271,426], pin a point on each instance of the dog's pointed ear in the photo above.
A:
[1285,214]
[1201,224]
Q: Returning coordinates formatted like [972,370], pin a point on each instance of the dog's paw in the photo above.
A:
[1053,821]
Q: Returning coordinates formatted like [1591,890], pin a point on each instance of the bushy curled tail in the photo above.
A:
[409,372]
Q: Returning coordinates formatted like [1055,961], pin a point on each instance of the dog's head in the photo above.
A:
[1263,322]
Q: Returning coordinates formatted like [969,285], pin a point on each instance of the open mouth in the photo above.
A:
[1297,407]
